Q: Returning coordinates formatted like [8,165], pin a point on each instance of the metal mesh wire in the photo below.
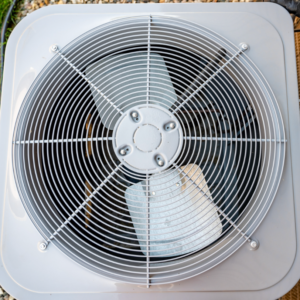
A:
[73,183]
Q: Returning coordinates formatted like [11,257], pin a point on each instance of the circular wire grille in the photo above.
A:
[131,224]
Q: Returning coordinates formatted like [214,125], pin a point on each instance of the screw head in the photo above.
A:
[122,152]
[172,125]
[43,246]
[177,184]
[244,46]
[134,114]
[160,163]
[153,193]
[254,245]
[54,48]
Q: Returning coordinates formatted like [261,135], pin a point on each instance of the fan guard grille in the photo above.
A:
[146,227]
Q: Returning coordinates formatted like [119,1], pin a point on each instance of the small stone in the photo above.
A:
[1,291]
[11,298]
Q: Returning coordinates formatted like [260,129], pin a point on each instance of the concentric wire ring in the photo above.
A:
[142,227]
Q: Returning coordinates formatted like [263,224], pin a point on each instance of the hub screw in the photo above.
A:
[170,126]
[122,152]
[159,160]
[160,163]
[125,150]
[135,116]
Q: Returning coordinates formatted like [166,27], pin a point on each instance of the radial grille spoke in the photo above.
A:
[148,59]
[241,50]
[218,208]
[148,231]
[88,81]
[228,139]
[84,203]
[75,140]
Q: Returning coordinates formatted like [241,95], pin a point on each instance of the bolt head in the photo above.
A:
[254,245]
[172,125]
[122,152]
[134,114]
[153,193]
[54,48]
[43,246]
[244,46]
[160,163]
[177,184]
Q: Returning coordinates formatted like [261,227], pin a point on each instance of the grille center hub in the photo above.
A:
[146,143]
[147,138]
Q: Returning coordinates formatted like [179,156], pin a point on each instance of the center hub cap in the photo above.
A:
[147,139]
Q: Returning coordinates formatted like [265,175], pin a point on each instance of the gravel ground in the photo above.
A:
[30,6]
[4,295]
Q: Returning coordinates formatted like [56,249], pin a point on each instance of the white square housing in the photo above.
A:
[264,273]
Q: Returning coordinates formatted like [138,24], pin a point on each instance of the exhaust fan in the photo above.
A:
[150,150]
